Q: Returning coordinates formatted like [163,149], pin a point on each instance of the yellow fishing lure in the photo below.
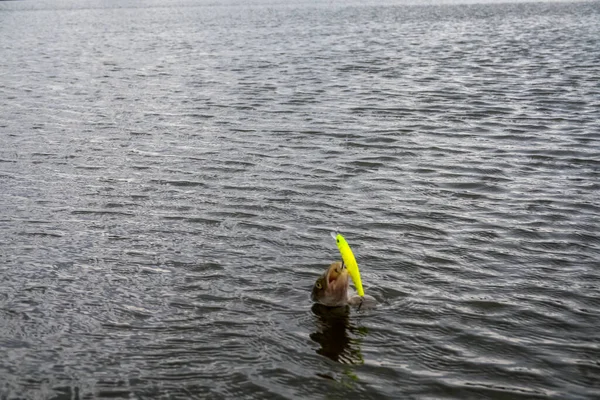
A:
[349,261]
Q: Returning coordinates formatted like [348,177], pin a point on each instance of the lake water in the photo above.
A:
[170,172]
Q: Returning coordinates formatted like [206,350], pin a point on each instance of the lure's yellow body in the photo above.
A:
[350,263]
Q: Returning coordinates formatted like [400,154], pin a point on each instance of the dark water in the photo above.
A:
[170,172]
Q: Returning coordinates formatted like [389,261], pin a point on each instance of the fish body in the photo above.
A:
[331,288]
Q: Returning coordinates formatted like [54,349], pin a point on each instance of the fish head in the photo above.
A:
[331,288]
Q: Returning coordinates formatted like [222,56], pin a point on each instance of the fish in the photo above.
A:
[331,289]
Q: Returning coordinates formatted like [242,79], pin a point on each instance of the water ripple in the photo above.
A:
[166,202]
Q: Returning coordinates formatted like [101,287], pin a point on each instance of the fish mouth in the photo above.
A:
[337,276]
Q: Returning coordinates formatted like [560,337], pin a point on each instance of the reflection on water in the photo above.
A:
[339,339]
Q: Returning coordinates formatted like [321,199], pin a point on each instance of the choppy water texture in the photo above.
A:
[170,172]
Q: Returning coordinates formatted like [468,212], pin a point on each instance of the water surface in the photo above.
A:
[170,172]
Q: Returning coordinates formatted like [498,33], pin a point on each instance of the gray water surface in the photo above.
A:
[170,172]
